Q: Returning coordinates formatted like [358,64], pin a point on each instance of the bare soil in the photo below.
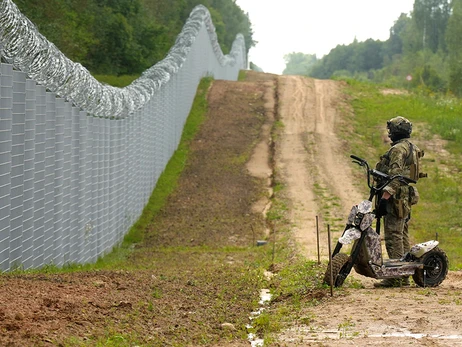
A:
[192,281]
[312,160]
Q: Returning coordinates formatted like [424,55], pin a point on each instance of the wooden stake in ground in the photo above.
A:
[317,237]
[330,262]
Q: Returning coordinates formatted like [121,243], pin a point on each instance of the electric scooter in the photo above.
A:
[425,262]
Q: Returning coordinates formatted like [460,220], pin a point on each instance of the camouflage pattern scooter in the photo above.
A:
[425,262]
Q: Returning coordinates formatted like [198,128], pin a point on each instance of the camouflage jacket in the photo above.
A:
[400,159]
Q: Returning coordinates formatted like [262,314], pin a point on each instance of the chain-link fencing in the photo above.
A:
[78,159]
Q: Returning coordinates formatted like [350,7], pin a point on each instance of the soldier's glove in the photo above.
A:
[381,209]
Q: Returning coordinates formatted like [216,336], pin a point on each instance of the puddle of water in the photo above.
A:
[265,298]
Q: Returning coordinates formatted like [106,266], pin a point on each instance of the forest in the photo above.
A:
[125,37]
[423,51]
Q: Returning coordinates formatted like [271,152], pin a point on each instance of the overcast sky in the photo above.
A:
[315,26]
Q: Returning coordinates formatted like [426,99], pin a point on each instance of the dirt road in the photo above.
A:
[314,165]
[311,160]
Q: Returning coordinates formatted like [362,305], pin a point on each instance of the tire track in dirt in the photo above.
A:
[311,162]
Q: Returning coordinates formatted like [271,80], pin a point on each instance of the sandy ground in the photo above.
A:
[317,171]
[310,155]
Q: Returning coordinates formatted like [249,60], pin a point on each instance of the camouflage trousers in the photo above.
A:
[396,232]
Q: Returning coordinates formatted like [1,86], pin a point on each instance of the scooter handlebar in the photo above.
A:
[382,177]
[359,161]
[379,174]
[357,158]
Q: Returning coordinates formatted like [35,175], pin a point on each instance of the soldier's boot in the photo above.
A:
[388,283]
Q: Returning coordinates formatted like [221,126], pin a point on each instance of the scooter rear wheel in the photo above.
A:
[339,261]
[436,264]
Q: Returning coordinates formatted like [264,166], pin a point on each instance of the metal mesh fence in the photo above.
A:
[79,160]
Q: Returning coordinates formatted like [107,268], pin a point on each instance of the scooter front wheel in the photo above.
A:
[435,269]
[339,262]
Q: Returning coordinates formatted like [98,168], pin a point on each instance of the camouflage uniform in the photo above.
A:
[398,206]
[401,159]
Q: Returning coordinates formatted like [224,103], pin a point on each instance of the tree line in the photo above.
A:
[424,50]
[125,37]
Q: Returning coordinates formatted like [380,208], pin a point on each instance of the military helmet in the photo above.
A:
[399,126]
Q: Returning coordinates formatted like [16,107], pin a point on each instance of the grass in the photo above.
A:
[116,81]
[345,328]
[296,287]
[436,215]
[242,75]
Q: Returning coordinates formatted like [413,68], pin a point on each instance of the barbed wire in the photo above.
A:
[22,45]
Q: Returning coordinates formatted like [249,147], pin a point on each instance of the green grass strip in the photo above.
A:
[116,81]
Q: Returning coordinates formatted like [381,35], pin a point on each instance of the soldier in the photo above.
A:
[397,198]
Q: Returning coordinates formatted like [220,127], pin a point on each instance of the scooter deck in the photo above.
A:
[398,263]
